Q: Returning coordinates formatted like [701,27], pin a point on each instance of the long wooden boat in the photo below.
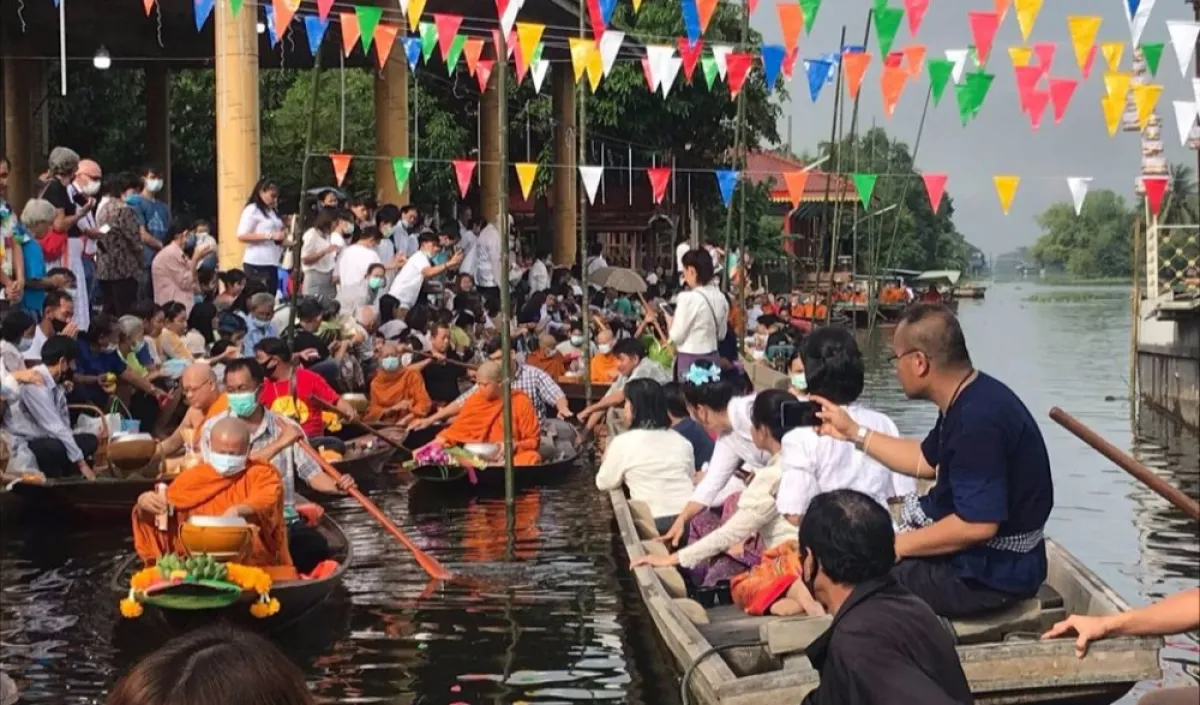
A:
[297,598]
[969,291]
[1004,660]
[457,480]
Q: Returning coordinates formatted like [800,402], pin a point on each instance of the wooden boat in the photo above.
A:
[297,598]
[1003,658]
[457,479]
[969,291]
[577,393]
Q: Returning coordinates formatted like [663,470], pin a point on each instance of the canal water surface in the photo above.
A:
[551,615]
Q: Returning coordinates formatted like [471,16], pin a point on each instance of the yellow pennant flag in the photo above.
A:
[1145,97]
[528,36]
[1113,109]
[1006,189]
[1113,51]
[595,67]
[637,5]
[1020,55]
[580,49]
[526,173]
[1084,29]
[1027,14]
[415,8]
[1116,85]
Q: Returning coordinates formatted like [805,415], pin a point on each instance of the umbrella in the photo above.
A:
[623,280]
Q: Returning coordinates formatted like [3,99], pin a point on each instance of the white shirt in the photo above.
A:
[407,286]
[813,464]
[731,450]
[539,277]
[254,222]
[680,250]
[467,242]
[315,241]
[35,350]
[657,467]
[488,259]
[701,320]
[353,264]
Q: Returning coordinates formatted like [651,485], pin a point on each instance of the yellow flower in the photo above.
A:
[180,574]
[131,608]
[143,579]
[248,578]
[265,607]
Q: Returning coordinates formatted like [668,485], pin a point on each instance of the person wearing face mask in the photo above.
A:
[16,339]
[354,263]
[120,245]
[57,319]
[81,250]
[174,268]
[318,257]
[797,382]
[547,358]
[100,368]
[38,417]
[398,391]
[202,229]
[309,387]
[407,285]
[260,311]
[226,482]
[155,216]
[604,363]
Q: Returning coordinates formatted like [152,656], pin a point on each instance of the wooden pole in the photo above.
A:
[835,149]
[1135,320]
[738,138]
[506,357]
[583,228]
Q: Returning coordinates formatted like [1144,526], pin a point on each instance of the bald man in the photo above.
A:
[398,391]
[604,368]
[205,400]
[974,543]
[227,482]
[547,358]
[81,251]
[482,419]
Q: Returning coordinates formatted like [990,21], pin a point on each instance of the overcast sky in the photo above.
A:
[999,140]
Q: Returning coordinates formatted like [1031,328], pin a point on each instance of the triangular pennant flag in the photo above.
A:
[865,185]
[1156,188]
[1145,98]
[202,9]
[385,38]
[591,175]
[772,59]
[691,19]
[637,5]
[412,50]
[456,51]
[1027,14]
[648,73]
[1185,116]
[818,75]
[1078,186]
[791,22]
[893,59]
[1113,110]
[892,83]
[796,182]
[1000,7]
[429,39]
[1061,90]
[887,23]
[854,67]
[1152,53]
[1006,187]
[464,169]
[811,7]
[597,19]
[721,54]
[709,65]
[539,70]
[1083,29]
[472,50]
[738,66]
[1037,102]
[983,29]
[669,74]
[1088,63]
[659,56]
[341,164]
[415,9]
[963,96]
[323,8]
[914,59]
[508,14]
[148,5]
[706,8]
[979,83]
[726,182]
[595,69]
[1020,55]
[283,11]
[349,27]
[483,72]
[447,28]
[789,63]
[528,35]
[940,71]
[1045,51]
[402,169]
[269,15]
[689,53]
[1183,37]
[958,59]
[1138,15]
[915,9]
[659,177]
[314,29]
[610,45]
[935,186]
[579,55]
[368,19]
[1027,79]
[1113,53]
[526,173]
[1116,85]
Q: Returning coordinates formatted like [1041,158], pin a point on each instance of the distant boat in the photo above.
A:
[968,291]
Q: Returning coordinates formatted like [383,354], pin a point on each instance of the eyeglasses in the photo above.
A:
[895,358]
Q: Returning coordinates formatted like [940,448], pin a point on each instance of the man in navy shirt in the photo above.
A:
[976,544]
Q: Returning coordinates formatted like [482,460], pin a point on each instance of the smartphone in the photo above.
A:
[797,414]
[666,308]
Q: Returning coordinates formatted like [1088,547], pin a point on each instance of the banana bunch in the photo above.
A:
[199,567]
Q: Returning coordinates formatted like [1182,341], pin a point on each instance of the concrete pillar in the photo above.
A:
[566,175]
[18,130]
[391,126]
[236,66]
[489,154]
[158,123]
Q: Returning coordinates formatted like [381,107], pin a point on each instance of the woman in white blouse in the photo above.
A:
[701,317]
[354,263]
[318,256]
[654,462]
[261,229]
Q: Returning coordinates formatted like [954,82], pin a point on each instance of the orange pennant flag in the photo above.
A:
[855,64]
[796,182]
[706,8]
[341,164]
[892,83]
[148,5]
[791,21]
[385,37]
[1001,8]
[349,22]
[914,59]
[472,50]
[284,12]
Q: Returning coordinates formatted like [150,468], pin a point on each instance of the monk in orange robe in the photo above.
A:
[604,363]
[205,401]
[481,419]
[397,392]
[225,483]
[547,358]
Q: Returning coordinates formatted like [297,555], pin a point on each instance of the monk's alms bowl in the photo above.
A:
[215,535]
[359,402]
[482,450]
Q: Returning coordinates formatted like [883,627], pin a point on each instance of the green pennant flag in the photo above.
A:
[810,8]
[962,92]
[368,20]
[537,53]
[887,23]
[1153,54]
[879,5]
[979,83]
[709,65]
[235,6]
[865,185]
[456,48]
[402,168]
[428,39]
[973,52]
[940,71]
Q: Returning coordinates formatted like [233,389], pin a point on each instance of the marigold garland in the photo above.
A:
[243,576]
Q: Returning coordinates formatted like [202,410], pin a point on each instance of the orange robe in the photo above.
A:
[199,490]
[604,368]
[555,365]
[482,421]
[391,388]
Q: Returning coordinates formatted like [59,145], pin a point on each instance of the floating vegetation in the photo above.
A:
[1076,297]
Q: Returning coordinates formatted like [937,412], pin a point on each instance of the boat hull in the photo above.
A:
[489,479]
[577,394]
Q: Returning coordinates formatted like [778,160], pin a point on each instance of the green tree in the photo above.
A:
[1093,244]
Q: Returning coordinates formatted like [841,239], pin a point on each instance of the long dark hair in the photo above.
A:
[767,411]
[649,405]
[264,184]
[201,320]
[833,365]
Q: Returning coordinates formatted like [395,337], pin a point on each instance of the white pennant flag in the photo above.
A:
[610,44]
[539,69]
[959,57]
[1185,115]
[720,53]
[404,7]
[657,55]
[1196,94]
[509,18]
[671,67]
[591,179]
[1183,38]
[1137,23]
[1079,189]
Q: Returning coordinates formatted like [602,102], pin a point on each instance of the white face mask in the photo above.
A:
[226,465]
[604,349]
[406,359]
[154,185]
[91,189]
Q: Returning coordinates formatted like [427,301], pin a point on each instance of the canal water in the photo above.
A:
[551,615]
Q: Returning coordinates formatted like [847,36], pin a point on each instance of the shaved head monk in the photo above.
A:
[205,400]
[604,362]
[482,419]
[547,358]
[398,391]
[225,483]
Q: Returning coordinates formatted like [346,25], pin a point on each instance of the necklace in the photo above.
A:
[958,390]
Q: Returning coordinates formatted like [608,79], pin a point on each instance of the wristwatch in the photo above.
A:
[860,436]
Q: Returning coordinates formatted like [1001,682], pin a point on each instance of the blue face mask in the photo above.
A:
[242,404]
[198,298]
[190,242]
[130,198]
[226,465]
[389,364]
[799,381]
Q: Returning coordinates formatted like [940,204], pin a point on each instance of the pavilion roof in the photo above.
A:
[764,167]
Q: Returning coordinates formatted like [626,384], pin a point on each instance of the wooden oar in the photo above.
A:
[1127,463]
[427,562]
[362,425]
[464,365]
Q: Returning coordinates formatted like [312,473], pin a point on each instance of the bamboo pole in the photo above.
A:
[738,138]
[581,128]
[506,357]
[835,154]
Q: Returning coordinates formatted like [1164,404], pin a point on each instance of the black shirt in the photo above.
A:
[441,379]
[308,341]
[58,197]
[886,647]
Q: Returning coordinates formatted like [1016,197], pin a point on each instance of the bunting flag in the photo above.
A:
[1027,14]
[1117,85]
[818,71]
[202,9]
[670,71]
[1088,63]
[1078,186]
[791,23]
[1006,185]
[721,54]
[526,174]
[148,5]
[1000,7]
[579,54]
[590,176]
[978,84]
[983,30]
[1020,55]
[796,182]
[385,39]
[1045,51]
[323,8]
[887,24]
[1138,14]
[706,9]
[962,95]
[940,72]
[1113,53]
[412,50]
[539,70]
[864,184]
[772,61]
[914,59]
[483,72]
[1156,188]
[596,17]
[456,50]
[1152,53]
[528,36]
[915,10]
[958,59]
[709,65]
[854,67]
[447,28]
[595,69]
[1185,117]
[1061,90]
[935,186]
[689,54]
[1027,79]
[637,5]
[659,177]
[507,11]
[1083,29]
[415,9]
[891,84]
[1145,98]
[464,169]
[1113,109]
[1037,102]
[691,19]
[341,164]
[284,11]
[610,46]
[1183,38]
[401,170]
[727,182]
[429,40]
[658,56]
[368,19]
[789,63]
[269,15]
[648,73]
[472,50]
[738,65]
[314,29]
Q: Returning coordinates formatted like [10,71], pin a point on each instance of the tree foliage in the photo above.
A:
[1095,243]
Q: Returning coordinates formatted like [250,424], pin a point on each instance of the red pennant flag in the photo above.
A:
[483,71]
[323,8]
[1090,61]
[935,186]
[796,182]
[1061,90]
[447,27]
[983,29]
[893,60]
[789,62]
[915,10]
[737,65]
[464,169]
[648,73]
[341,164]
[753,5]
[1027,80]
[1044,51]
[706,8]
[1156,188]
[1038,100]
[385,37]
[659,177]
[472,50]
[855,65]
[597,18]
[690,55]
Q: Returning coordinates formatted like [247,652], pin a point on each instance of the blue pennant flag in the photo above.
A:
[606,10]
[854,49]
[270,13]
[691,21]
[315,28]
[203,9]
[818,75]
[772,58]
[835,60]
[412,50]
[727,180]
[1133,6]
[56,2]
